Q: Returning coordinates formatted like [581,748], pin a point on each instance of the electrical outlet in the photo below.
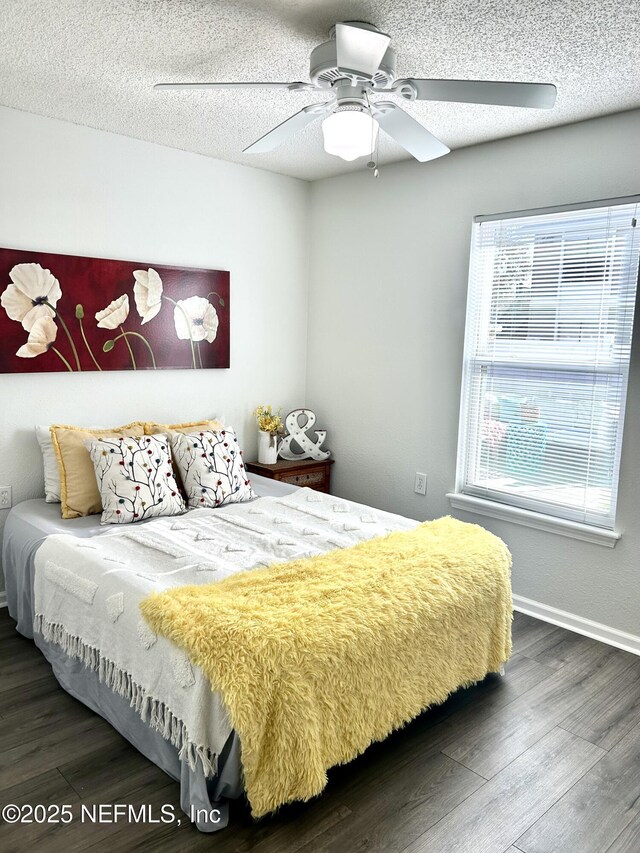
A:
[5,497]
[420,487]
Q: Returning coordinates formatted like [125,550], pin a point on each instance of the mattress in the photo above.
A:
[27,526]
[30,522]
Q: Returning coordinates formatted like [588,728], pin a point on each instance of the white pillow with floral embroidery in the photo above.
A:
[211,468]
[135,478]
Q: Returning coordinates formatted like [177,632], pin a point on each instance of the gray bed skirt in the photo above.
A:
[208,795]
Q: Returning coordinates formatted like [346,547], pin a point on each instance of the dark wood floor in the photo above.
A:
[546,759]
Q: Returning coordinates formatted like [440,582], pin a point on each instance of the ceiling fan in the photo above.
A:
[355,66]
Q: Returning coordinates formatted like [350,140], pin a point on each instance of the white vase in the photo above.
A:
[267,448]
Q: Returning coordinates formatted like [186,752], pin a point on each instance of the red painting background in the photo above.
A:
[94,283]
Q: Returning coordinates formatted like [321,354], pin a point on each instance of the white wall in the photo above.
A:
[388,280]
[73,190]
[389,263]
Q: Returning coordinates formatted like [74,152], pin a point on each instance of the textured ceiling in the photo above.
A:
[94,62]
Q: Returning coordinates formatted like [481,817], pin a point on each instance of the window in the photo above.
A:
[547,347]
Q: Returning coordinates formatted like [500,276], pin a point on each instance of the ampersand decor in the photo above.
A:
[297,433]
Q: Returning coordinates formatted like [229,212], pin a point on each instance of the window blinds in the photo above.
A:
[547,348]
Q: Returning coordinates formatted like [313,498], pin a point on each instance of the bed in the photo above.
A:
[27,526]
[34,546]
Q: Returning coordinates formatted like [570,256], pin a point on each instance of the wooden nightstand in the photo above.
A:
[307,472]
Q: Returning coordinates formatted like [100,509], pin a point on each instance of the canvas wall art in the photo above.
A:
[63,312]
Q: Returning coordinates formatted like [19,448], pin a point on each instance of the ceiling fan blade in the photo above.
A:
[537,95]
[359,49]
[408,132]
[275,137]
[292,87]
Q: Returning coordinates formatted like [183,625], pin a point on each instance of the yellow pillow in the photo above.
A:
[78,487]
[151,428]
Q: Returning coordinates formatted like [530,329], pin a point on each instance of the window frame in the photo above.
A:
[518,508]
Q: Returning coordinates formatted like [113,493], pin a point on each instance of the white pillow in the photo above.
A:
[211,468]
[135,478]
[50,461]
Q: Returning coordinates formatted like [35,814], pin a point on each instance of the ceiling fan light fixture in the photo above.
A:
[350,134]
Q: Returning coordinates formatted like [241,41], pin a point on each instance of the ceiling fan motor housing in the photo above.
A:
[325,72]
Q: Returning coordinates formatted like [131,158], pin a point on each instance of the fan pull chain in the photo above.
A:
[372,164]
[376,171]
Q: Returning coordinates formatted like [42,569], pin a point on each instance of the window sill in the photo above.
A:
[504,512]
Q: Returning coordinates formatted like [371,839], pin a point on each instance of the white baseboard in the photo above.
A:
[3,599]
[595,630]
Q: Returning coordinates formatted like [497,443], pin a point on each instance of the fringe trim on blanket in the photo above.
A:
[152,711]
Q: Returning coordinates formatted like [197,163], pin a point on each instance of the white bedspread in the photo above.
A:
[87,593]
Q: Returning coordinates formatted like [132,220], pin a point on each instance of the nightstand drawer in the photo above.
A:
[307,478]
[309,473]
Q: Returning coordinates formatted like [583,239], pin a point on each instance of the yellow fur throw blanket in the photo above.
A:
[318,658]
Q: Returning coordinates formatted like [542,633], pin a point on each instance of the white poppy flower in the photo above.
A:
[148,293]
[196,319]
[41,336]
[33,294]
[114,314]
